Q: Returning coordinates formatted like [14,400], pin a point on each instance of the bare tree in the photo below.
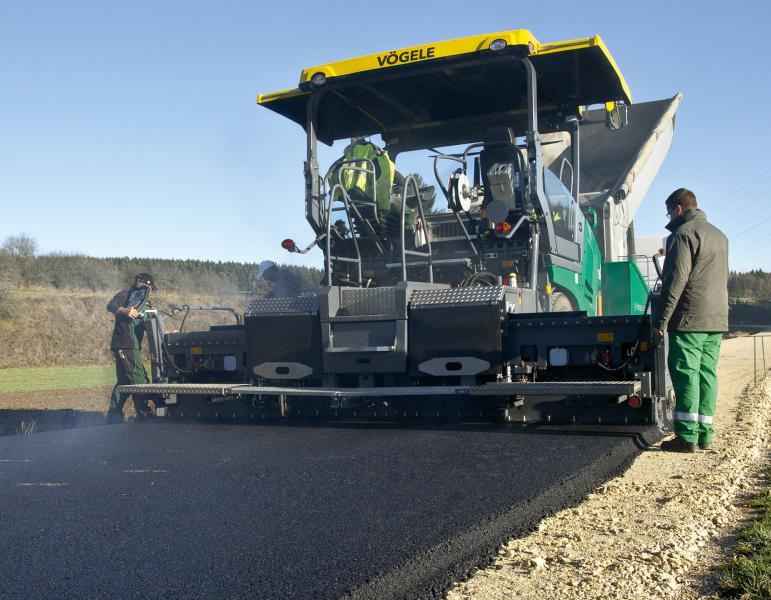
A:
[20,246]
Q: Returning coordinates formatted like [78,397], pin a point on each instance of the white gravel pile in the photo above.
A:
[640,535]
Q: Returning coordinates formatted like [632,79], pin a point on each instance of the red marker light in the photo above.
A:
[502,228]
[635,401]
[289,245]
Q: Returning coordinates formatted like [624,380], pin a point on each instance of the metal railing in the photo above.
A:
[346,207]
[427,255]
[369,170]
[339,194]
[646,266]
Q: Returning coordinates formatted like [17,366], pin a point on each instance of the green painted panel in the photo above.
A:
[624,291]
[583,286]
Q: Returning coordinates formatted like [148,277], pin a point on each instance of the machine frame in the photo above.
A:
[415,348]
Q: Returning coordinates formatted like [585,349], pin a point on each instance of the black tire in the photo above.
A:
[561,302]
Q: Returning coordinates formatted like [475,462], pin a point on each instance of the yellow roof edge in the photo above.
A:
[288,93]
[421,52]
[589,42]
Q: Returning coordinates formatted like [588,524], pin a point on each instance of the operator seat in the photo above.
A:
[499,147]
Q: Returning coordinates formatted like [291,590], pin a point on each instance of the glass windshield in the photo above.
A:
[560,204]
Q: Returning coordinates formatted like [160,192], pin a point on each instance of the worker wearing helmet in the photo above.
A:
[129,329]
[693,309]
[284,283]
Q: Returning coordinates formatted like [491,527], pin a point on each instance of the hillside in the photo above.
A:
[51,328]
[52,306]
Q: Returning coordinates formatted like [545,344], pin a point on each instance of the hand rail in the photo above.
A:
[446,193]
[426,231]
[352,165]
[347,206]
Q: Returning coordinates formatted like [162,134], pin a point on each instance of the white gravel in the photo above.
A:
[642,534]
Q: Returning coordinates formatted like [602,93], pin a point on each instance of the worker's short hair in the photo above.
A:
[682,196]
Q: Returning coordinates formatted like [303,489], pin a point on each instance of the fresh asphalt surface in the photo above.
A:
[183,510]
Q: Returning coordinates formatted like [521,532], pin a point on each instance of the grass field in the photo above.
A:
[56,378]
[748,576]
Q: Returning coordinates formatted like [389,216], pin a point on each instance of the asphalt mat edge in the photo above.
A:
[433,573]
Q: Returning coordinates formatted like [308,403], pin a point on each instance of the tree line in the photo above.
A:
[21,267]
[751,286]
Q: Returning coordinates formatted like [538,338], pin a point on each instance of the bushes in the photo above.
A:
[7,303]
[8,280]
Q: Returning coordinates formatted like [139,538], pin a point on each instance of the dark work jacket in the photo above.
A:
[694,288]
[127,333]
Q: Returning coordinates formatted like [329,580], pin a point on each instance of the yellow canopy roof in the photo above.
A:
[458,81]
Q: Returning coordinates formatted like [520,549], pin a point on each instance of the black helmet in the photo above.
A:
[145,278]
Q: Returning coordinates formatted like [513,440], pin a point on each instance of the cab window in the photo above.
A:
[561,205]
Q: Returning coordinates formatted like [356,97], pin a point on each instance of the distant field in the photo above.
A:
[55,378]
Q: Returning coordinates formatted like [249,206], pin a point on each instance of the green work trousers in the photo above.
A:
[693,367]
[129,370]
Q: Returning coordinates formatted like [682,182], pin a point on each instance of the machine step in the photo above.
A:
[536,388]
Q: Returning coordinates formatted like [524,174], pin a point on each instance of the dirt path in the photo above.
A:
[642,534]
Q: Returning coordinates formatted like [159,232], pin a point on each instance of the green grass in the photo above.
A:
[748,576]
[56,378]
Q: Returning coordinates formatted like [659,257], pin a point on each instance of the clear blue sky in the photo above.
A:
[130,128]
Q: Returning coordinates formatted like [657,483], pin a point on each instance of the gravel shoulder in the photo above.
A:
[654,531]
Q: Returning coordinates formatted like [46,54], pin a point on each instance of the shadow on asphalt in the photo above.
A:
[27,421]
[643,436]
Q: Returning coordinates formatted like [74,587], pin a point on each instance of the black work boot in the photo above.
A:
[678,444]
[705,445]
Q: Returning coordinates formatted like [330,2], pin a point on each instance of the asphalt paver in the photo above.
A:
[195,510]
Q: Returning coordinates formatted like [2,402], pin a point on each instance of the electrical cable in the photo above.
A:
[755,226]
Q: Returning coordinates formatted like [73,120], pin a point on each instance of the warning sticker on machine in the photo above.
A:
[605,336]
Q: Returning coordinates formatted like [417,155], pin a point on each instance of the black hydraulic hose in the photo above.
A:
[636,344]
[481,279]
[170,360]
[186,309]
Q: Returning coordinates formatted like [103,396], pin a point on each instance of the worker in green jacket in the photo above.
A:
[129,329]
[693,309]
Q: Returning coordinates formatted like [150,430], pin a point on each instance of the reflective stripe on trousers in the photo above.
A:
[693,417]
